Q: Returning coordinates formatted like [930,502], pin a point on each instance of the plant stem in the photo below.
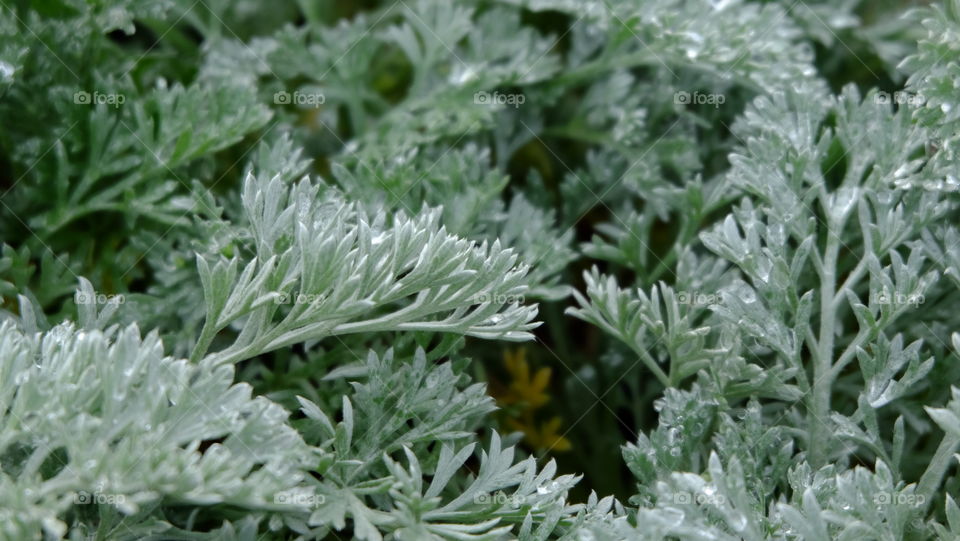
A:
[819,405]
[203,343]
[654,367]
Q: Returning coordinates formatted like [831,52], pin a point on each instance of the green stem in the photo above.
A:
[651,363]
[819,405]
[594,69]
[557,323]
[203,343]
[851,282]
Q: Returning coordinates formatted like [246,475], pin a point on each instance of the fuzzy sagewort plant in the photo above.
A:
[251,249]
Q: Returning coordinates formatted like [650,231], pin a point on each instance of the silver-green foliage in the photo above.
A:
[784,285]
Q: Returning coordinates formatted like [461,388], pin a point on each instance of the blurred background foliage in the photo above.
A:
[116,207]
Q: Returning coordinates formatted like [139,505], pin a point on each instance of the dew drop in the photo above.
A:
[6,71]
[463,76]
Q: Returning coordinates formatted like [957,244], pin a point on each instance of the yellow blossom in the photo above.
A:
[524,390]
[544,437]
[529,393]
